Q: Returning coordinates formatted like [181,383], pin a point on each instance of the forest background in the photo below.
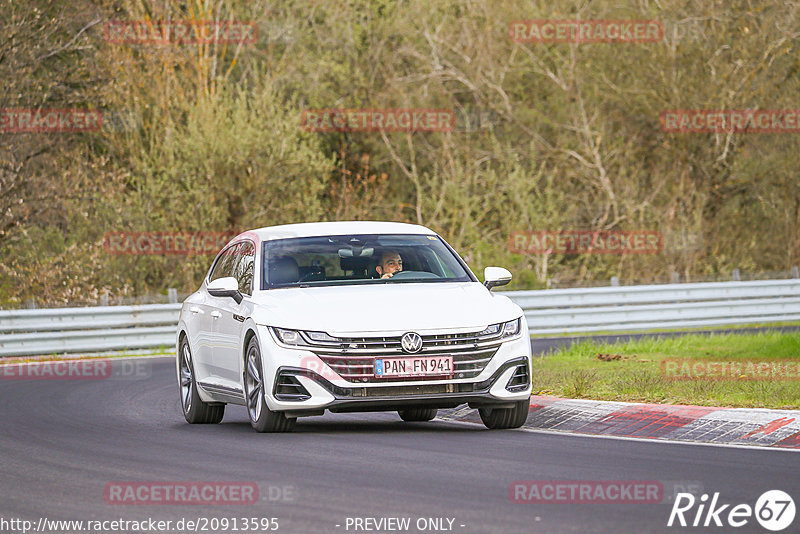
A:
[548,136]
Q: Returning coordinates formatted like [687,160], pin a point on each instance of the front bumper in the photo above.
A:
[436,395]
[324,389]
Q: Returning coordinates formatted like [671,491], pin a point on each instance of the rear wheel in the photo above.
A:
[195,411]
[502,418]
[418,414]
[261,417]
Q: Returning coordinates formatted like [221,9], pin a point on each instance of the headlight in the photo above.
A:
[320,337]
[299,338]
[511,328]
[490,331]
[288,337]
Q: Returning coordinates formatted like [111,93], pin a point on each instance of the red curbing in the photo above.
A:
[697,424]
[792,442]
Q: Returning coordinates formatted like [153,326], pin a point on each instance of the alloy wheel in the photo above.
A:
[187,384]
[254,386]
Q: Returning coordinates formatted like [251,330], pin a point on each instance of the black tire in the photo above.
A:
[417,414]
[195,411]
[261,417]
[504,418]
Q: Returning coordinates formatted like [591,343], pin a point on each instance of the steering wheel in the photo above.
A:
[309,275]
[405,275]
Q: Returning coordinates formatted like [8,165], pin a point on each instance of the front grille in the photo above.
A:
[354,358]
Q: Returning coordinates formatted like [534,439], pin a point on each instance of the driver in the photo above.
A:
[390,263]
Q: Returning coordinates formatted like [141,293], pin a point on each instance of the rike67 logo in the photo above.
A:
[774,510]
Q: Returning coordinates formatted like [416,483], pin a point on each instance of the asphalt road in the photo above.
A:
[63,441]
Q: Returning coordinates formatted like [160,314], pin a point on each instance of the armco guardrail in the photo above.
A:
[553,311]
[97,329]
[624,308]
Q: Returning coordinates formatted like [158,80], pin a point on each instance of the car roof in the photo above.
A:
[285,231]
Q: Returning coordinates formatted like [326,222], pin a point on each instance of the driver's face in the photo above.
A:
[391,262]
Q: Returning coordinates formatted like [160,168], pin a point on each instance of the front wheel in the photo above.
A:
[418,414]
[195,411]
[503,418]
[262,418]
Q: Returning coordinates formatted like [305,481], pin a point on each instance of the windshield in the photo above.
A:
[359,259]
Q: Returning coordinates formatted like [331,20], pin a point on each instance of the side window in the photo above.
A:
[244,267]
[226,262]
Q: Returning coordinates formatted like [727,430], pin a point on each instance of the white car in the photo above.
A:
[297,319]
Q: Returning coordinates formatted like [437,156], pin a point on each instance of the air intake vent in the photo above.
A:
[288,388]
[520,380]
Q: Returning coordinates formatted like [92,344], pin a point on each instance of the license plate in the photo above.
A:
[414,366]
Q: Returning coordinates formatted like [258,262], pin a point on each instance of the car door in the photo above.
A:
[228,333]
[209,312]
[195,313]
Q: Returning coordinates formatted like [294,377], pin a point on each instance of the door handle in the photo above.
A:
[195,310]
[216,314]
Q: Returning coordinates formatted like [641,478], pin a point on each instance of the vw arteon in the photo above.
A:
[294,320]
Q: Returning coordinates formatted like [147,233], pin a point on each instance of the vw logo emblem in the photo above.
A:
[411,342]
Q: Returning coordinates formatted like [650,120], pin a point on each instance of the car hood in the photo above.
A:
[392,308]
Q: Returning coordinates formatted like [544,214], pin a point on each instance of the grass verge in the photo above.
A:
[762,326]
[640,371]
[159,351]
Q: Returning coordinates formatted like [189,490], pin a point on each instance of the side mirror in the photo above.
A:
[495,277]
[225,287]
